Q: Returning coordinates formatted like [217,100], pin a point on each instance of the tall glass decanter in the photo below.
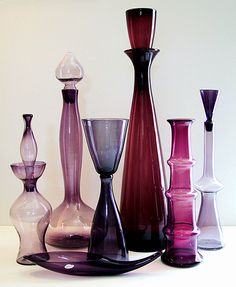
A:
[30,213]
[142,198]
[181,230]
[211,236]
[71,221]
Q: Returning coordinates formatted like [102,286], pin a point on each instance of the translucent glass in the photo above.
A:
[181,230]
[105,139]
[30,213]
[142,204]
[71,221]
[69,71]
[211,236]
[141,24]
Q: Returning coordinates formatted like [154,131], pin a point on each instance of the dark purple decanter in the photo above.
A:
[142,199]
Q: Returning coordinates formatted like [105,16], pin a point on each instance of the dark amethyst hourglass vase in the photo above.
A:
[30,213]
[211,235]
[105,139]
[181,230]
[141,24]
[71,221]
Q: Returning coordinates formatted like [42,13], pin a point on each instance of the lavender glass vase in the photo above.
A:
[105,139]
[211,236]
[71,221]
[142,199]
[30,213]
[181,230]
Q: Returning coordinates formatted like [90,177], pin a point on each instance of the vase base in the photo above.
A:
[68,241]
[138,243]
[210,244]
[181,258]
[23,261]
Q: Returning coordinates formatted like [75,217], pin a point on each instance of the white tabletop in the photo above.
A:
[217,269]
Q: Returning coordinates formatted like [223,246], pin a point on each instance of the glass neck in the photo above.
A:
[181,149]
[142,60]
[208,169]
[71,145]
[106,183]
[30,185]
[181,161]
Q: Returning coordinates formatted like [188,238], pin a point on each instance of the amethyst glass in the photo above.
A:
[141,24]
[142,199]
[82,263]
[28,145]
[181,230]
[30,213]
[105,139]
[211,236]
[71,221]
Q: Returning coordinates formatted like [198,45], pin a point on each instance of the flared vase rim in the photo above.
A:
[142,49]
[22,165]
[183,120]
[210,90]
[136,9]
[104,119]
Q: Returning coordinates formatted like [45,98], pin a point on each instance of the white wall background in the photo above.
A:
[197,40]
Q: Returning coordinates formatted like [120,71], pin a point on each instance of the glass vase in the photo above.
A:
[30,213]
[71,221]
[105,139]
[181,230]
[211,236]
[142,199]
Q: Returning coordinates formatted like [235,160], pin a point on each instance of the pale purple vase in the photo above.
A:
[71,221]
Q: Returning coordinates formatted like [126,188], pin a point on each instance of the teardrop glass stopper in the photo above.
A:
[69,71]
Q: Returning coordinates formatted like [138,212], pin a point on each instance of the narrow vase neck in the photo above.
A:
[181,161]
[106,184]
[30,185]
[142,60]
[208,169]
[71,145]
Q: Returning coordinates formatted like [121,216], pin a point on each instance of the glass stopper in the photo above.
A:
[28,145]
[69,71]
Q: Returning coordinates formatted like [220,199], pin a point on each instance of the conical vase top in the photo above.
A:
[209,99]
[105,138]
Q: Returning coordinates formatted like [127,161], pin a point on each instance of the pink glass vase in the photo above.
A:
[142,198]
[181,230]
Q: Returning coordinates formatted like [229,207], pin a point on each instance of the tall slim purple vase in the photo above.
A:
[71,221]
[181,230]
[142,205]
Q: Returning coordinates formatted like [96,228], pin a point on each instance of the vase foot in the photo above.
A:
[181,258]
[210,244]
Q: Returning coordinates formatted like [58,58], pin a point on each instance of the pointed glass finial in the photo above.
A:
[69,71]
[209,99]
[28,145]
